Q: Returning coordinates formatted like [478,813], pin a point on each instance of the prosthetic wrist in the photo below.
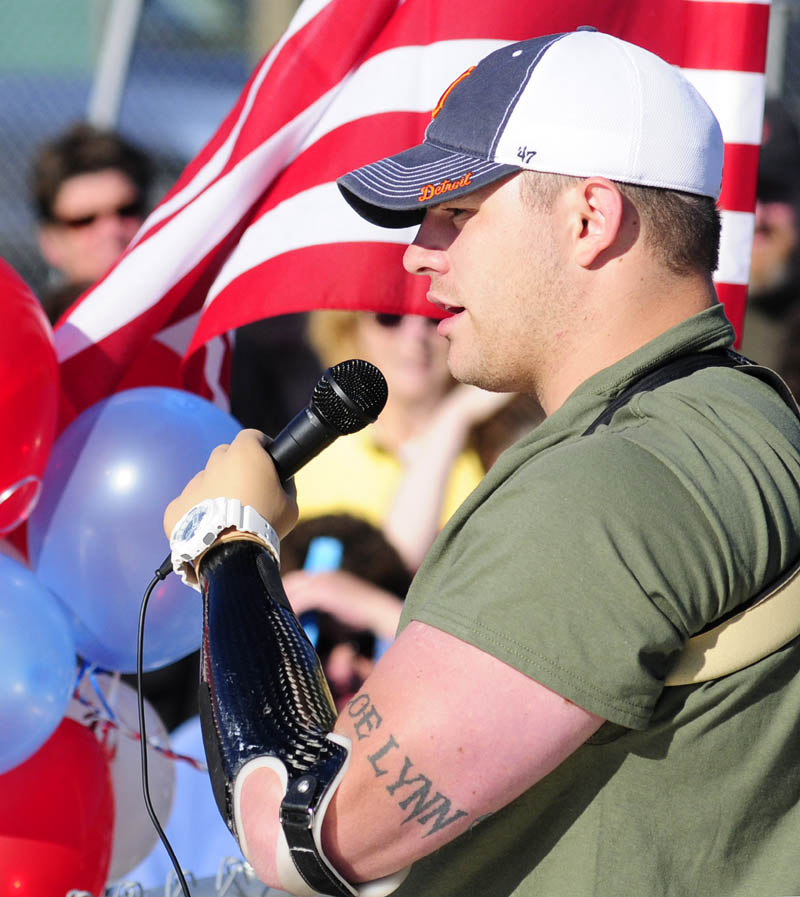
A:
[264,702]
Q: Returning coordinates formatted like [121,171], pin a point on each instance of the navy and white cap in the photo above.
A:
[581,103]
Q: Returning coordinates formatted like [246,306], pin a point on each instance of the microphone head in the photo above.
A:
[350,395]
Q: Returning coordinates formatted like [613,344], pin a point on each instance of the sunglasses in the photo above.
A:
[389,321]
[129,210]
[326,632]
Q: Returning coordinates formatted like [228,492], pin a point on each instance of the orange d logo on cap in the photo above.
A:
[438,108]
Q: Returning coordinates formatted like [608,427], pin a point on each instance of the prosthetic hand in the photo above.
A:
[264,701]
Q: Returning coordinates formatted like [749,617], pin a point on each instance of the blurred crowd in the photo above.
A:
[371,504]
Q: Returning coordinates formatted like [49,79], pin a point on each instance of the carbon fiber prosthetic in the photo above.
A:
[262,690]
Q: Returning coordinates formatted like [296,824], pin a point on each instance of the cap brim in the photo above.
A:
[394,192]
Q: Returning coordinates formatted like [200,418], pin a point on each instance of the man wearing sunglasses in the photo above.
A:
[526,734]
[90,189]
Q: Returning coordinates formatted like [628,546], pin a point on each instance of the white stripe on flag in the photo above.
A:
[317,216]
[212,369]
[736,98]
[156,264]
[735,246]
[178,336]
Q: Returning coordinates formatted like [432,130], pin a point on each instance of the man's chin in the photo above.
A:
[474,375]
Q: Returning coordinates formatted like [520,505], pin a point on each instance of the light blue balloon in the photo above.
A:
[96,536]
[37,664]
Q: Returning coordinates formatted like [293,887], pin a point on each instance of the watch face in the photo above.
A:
[191,523]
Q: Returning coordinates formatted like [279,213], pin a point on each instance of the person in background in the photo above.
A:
[408,472]
[90,189]
[350,602]
[773,296]
[274,372]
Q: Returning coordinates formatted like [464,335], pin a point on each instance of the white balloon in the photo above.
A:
[134,833]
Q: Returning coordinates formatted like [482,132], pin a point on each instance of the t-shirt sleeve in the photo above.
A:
[586,572]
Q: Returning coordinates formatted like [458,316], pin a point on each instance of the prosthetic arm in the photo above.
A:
[264,701]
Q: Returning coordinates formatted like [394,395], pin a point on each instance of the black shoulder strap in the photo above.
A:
[674,370]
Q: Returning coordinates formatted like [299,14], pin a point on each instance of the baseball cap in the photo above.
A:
[579,103]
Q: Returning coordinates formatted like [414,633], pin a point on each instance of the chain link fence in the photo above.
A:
[783,53]
[188,62]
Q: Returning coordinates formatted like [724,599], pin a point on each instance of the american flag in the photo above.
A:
[256,227]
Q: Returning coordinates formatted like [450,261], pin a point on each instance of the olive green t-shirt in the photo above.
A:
[586,563]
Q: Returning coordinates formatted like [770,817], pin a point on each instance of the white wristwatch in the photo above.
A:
[200,526]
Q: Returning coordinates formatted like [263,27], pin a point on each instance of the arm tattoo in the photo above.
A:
[411,789]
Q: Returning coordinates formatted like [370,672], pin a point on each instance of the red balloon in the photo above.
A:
[28,397]
[57,818]
[39,868]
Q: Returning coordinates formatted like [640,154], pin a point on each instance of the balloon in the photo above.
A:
[28,397]
[37,663]
[134,833]
[96,535]
[11,551]
[31,868]
[56,818]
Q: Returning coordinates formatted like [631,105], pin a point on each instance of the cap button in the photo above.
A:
[586,28]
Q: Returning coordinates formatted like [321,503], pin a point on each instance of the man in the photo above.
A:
[518,736]
[90,188]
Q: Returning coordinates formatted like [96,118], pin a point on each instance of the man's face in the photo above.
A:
[495,264]
[95,216]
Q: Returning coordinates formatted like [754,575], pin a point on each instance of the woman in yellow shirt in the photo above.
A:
[410,470]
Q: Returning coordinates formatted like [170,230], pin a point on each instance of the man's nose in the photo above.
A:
[427,254]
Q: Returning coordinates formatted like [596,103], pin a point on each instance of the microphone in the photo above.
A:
[347,397]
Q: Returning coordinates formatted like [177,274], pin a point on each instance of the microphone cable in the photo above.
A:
[160,574]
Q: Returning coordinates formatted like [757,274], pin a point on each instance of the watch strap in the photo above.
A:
[219,514]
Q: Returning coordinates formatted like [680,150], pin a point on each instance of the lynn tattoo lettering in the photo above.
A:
[413,791]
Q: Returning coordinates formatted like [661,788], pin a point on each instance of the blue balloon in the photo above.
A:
[96,536]
[37,664]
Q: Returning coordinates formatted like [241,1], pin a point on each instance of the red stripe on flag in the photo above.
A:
[345,148]
[109,359]
[740,173]
[727,36]
[657,26]
[157,365]
[367,276]
[734,297]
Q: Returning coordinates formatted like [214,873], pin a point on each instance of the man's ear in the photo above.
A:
[596,207]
